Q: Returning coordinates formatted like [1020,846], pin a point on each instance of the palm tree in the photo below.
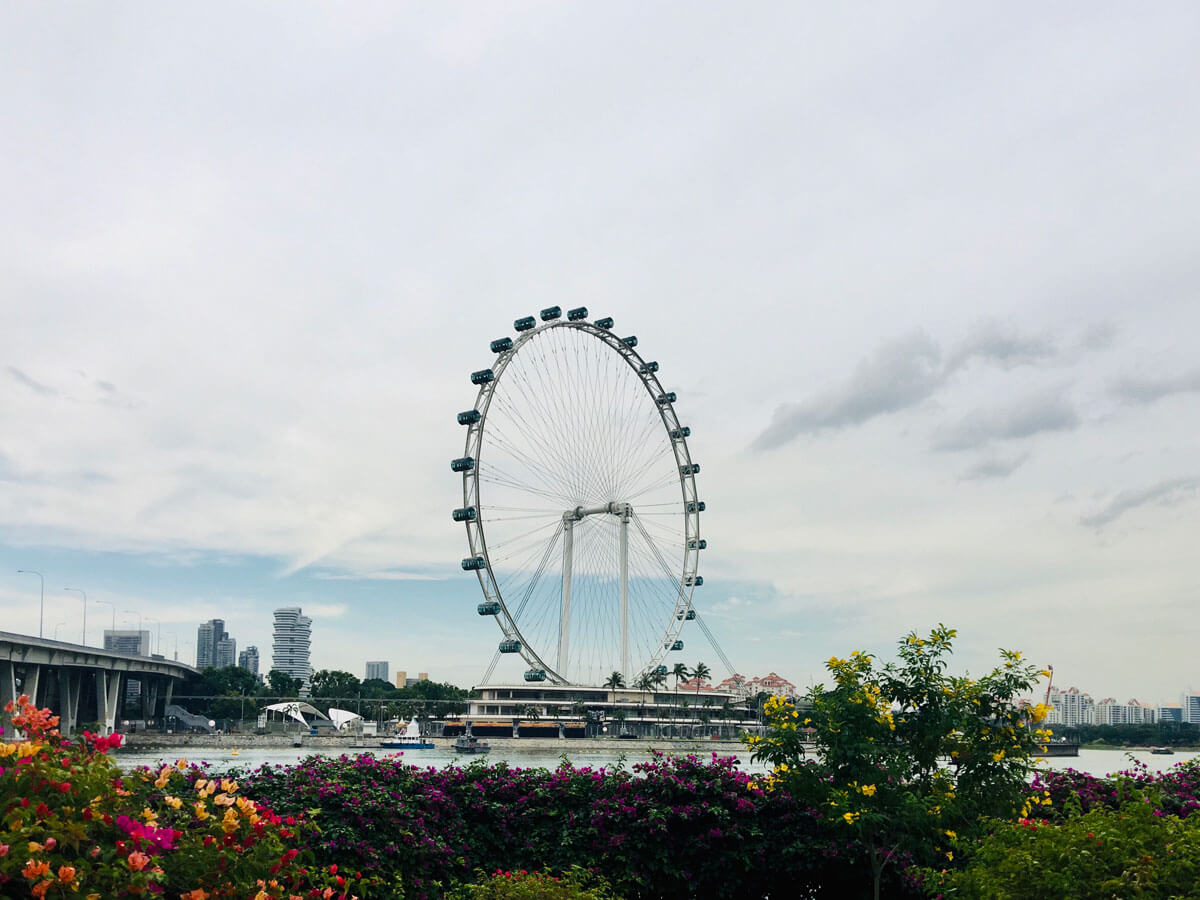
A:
[700,673]
[644,683]
[680,671]
[615,680]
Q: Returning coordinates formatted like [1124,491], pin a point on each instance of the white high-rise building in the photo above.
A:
[1191,708]
[377,669]
[1070,707]
[293,641]
[1110,712]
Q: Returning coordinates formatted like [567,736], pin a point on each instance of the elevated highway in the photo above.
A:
[83,684]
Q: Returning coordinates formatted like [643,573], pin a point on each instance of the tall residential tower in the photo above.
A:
[214,647]
[293,640]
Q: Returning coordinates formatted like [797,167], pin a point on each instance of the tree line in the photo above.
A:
[232,692]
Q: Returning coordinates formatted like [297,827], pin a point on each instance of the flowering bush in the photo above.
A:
[1177,790]
[74,826]
[669,828]
[1133,850]
[522,885]
[906,755]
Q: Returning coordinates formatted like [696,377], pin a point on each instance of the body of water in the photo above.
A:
[1095,762]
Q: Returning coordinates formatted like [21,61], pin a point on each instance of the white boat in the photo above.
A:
[410,740]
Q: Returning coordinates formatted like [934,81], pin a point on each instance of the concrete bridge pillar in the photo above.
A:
[8,691]
[149,697]
[30,683]
[108,698]
[70,685]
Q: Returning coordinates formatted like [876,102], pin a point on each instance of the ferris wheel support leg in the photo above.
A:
[624,550]
[564,619]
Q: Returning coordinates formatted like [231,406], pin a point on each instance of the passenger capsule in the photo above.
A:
[689,469]
[551,312]
[473,563]
[630,341]
[661,670]
[499,345]
[677,433]
[462,464]
[648,368]
[694,580]
[535,675]
[698,545]
[664,399]
[510,646]
[525,324]
[677,645]
[691,614]
[491,608]
[483,376]
[606,323]
[579,312]
[465,514]
[696,506]
[468,417]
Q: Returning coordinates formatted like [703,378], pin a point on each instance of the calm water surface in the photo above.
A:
[1095,762]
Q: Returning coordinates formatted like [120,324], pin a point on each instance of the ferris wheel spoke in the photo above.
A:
[512,483]
[543,463]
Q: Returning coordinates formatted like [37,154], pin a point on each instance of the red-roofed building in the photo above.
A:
[770,684]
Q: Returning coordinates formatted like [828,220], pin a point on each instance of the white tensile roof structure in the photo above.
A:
[295,709]
[342,717]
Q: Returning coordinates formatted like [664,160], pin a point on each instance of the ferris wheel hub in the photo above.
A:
[579,513]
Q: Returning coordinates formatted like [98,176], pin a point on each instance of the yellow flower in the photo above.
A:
[998,755]
[850,817]
[951,834]
[868,790]
[173,802]
[201,810]
[181,764]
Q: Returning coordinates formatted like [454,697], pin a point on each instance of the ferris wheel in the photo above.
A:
[579,501]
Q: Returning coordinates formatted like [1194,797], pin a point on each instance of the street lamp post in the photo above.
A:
[58,625]
[134,612]
[42,608]
[113,607]
[82,591]
[157,634]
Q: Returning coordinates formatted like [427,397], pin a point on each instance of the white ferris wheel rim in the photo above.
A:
[671,558]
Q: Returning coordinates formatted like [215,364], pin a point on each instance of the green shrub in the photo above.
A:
[1136,850]
[576,884]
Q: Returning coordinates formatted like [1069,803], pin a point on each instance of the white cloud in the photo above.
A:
[243,296]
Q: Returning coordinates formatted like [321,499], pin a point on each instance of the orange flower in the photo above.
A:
[34,870]
[197,894]
[137,860]
[66,874]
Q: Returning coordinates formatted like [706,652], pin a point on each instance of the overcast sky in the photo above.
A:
[924,277]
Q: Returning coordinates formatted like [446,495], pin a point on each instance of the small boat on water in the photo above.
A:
[410,740]
[468,743]
[1162,751]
